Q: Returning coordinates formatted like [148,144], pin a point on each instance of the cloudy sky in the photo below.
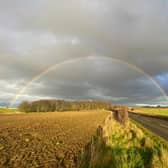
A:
[100,50]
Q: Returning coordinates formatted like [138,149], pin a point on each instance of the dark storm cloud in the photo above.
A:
[122,85]
[36,34]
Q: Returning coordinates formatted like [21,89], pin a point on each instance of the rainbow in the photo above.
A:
[66,62]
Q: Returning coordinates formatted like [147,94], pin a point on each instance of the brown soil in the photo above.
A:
[46,140]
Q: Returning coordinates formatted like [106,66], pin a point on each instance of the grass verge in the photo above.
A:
[131,146]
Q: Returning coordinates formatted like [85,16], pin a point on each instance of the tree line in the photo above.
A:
[61,105]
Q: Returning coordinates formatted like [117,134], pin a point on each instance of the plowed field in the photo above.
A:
[46,140]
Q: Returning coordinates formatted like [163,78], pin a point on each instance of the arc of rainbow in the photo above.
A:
[57,65]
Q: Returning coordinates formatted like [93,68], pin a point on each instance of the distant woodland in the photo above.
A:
[61,105]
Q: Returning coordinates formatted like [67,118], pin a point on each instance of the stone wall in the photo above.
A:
[92,150]
[98,140]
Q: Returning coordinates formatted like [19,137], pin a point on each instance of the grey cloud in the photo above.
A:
[37,34]
[88,82]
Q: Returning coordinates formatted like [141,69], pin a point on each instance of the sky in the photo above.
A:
[95,46]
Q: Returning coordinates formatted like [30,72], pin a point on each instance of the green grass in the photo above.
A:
[4,110]
[131,147]
[152,111]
